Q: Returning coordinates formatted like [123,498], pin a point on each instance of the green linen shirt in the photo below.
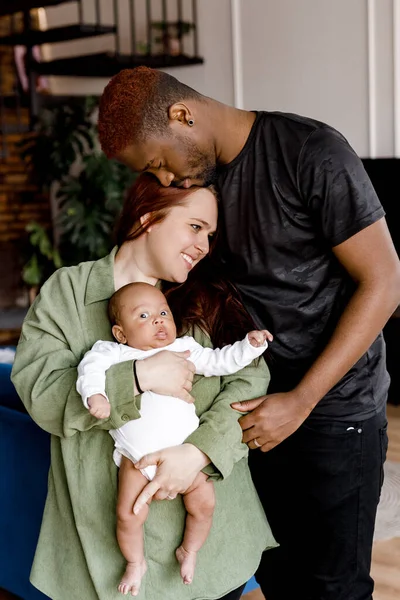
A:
[77,554]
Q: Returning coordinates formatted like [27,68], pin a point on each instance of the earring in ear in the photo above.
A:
[190,122]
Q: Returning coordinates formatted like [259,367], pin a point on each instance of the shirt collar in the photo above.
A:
[100,282]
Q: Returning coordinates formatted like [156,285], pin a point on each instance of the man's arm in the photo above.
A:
[371,260]
[347,214]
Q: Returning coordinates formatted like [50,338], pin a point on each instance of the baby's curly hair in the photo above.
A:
[134,105]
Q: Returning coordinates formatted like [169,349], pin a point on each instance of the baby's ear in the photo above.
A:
[118,333]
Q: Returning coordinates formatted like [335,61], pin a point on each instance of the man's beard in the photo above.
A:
[208,176]
[207,173]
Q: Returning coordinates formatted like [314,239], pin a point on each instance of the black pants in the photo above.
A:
[320,490]
[235,595]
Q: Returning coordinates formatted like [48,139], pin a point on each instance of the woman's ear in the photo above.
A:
[144,219]
[118,333]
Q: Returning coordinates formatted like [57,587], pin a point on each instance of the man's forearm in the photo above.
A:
[360,324]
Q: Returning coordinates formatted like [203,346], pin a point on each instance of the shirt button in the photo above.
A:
[125,417]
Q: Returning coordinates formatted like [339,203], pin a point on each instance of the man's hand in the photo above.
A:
[177,468]
[167,373]
[271,419]
[99,406]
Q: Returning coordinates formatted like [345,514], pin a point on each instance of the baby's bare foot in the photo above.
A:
[132,578]
[187,560]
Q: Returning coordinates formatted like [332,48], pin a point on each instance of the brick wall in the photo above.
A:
[20,200]
[20,203]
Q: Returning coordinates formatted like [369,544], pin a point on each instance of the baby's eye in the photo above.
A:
[195,227]
[164,313]
[144,315]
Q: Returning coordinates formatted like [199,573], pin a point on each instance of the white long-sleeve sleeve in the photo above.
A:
[223,361]
[220,361]
[92,369]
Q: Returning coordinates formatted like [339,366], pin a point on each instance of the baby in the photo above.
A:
[143,325]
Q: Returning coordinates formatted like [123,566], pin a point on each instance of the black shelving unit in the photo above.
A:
[107,64]
[9,7]
[57,34]
[102,64]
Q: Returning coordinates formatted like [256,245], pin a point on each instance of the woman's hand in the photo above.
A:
[167,373]
[177,468]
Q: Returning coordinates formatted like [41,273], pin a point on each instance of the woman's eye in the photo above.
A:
[196,227]
[164,313]
[144,315]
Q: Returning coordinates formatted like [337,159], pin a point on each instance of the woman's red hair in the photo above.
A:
[147,197]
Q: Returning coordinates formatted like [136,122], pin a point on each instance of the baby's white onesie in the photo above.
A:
[164,420]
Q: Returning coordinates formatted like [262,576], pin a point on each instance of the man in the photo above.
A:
[306,243]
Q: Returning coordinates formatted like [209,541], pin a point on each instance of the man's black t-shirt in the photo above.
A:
[296,190]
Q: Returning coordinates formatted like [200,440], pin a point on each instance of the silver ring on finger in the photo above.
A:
[257,443]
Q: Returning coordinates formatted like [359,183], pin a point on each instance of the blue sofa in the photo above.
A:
[24,465]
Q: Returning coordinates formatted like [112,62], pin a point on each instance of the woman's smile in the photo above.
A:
[188,260]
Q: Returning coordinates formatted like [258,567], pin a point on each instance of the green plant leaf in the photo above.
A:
[31,272]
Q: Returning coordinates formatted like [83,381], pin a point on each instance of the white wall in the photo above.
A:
[334,60]
[312,57]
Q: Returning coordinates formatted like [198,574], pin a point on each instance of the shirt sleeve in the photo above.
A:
[92,369]
[219,434]
[335,187]
[44,372]
[226,360]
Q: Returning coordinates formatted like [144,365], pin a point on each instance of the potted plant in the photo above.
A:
[85,188]
[169,36]
[44,259]
[89,202]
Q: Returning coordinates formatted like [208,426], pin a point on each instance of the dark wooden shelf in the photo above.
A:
[107,64]
[57,34]
[8,7]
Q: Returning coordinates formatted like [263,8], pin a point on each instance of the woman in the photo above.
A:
[163,234]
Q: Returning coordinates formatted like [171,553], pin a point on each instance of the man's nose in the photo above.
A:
[164,177]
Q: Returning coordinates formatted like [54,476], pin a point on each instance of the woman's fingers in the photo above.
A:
[186,397]
[167,373]
[187,385]
[148,460]
[146,496]
[177,468]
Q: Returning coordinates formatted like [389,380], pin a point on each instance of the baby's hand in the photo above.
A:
[99,406]
[257,338]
